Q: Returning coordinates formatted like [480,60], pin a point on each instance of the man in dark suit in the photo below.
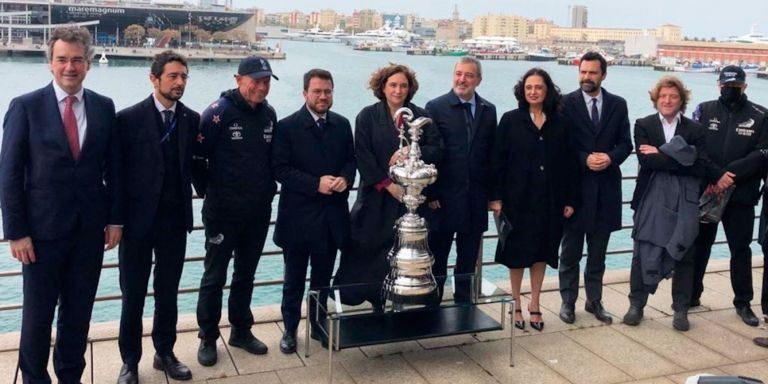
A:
[313,159]
[157,136]
[600,135]
[61,198]
[459,197]
[670,98]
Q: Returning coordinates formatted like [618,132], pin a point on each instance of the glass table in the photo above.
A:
[469,305]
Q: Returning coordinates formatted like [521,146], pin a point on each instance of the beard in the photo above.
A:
[173,96]
[588,86]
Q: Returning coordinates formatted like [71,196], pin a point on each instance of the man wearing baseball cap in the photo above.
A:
[736,141]
[236,138]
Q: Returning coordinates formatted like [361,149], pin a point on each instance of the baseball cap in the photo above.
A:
[732,75]
[255,67]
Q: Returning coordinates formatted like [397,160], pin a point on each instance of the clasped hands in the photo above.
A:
[330,184]
[598,161]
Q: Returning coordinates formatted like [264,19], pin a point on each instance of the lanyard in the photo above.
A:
[171,128]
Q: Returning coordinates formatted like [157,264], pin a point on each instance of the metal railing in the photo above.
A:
[276,252]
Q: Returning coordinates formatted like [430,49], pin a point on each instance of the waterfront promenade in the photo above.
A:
[223,54]
[587,352]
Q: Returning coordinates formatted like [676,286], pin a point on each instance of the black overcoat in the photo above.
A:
[374,212]
[462,182]
[600,191]
[301,154]
[535,176]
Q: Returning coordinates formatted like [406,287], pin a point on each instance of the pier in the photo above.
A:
[501,56]
[143,53]
[587,351]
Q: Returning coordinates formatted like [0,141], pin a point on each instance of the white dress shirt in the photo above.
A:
[316,116]
[669,128]
[472,102]
[78,107]
[160,107]
[588,102]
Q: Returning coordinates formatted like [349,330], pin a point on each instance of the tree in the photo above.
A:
[154,33]
[134,33]
[239,36]
[172,34]
[202,35]
[221,36]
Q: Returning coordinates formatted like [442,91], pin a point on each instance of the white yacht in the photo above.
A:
[500,44]
[751,38]
[317,35]
[384,35]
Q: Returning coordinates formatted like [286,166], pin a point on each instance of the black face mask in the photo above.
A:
[730,95]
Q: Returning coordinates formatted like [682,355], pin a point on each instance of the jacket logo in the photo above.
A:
[268,132]
[236,130]
[713,124]
[745,131]
[747,124]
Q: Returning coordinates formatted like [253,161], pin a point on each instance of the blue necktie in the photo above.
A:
[595,114]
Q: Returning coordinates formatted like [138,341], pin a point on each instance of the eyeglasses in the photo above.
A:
[318,92]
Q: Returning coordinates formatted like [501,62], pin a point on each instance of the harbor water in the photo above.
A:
[126,82]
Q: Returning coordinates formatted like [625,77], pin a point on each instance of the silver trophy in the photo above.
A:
[410,279]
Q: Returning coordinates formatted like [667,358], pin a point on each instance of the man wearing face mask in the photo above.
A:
[736,140]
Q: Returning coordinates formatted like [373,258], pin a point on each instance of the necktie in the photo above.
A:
[70,127]
[468,108]
[595,114]
[167,120]
[320,125]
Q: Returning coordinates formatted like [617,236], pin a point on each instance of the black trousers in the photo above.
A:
[467,248]
[296,260]
[682,283]
[570,256]
[738,222]
[244,239]
[764,295]
[168,239]
[66,271]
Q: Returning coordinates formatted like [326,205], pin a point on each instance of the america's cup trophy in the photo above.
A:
[410,279]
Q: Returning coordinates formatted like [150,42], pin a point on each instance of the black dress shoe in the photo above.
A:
[761,341]
[206,353]
[596,308]
[680,321]
[567,313]
[128,375]
[633,316]
[172,366]
[244,339]
[537,325]
[519,324]
[288,342]
[747,316]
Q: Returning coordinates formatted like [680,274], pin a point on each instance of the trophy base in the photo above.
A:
[424,293]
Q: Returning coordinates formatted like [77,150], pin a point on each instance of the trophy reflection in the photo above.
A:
[410,279]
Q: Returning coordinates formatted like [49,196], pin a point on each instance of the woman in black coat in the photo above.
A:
[534,171]
[378,205]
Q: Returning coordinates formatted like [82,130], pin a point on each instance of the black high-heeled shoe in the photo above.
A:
[537,325]
[519,324]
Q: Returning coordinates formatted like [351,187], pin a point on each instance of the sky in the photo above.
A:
[700,18]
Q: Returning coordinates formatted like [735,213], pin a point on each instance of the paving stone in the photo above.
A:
[391,348]
[623,352]
[656,380]
[107,363]
[448,365]
[261,378]
[576,363]
[680,378]
[729,319]
[552,301]
[493,356]
[672,345]
[8,362]
[617,303]
[382,370]
[319,355]
[186,351]
[315,374]
[754,369]
[447,341]
[269,334]
[726,342]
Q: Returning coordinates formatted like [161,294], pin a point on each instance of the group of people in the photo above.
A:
[77,178]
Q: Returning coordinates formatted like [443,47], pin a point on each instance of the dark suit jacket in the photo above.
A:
[463,172]
[44,192]
[143,166]
[301,154]
[600,207]
[648,130]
